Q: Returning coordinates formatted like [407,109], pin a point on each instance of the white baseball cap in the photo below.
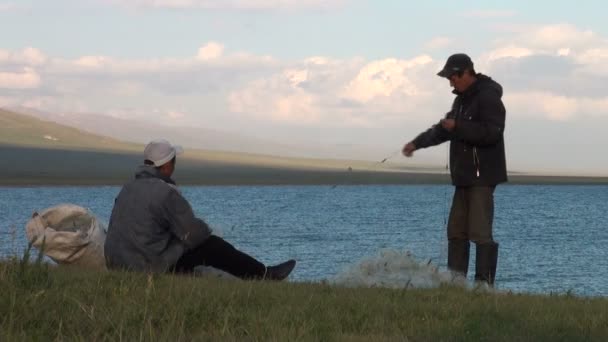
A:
[160,151]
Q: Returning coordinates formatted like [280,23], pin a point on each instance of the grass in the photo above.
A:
[42,302]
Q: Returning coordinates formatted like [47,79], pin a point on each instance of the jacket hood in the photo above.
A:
[148,171]
[483,83]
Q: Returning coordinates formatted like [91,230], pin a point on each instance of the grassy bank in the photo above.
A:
[42,303]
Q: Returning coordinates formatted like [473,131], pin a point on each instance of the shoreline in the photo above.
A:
[23,166]
[297,178]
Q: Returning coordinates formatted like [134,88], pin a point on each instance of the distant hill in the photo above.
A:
[26,131]
[40,152]
[21,130]
[36,151]
[142,132]
[210,139]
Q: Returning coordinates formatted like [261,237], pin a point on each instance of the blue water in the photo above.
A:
[552,238]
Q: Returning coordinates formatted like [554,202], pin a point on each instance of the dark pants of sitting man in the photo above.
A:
[218,253]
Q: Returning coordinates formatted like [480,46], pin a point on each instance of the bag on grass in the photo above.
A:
[69,235]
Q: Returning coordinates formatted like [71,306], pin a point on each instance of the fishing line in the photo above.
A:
[447,170]
[444,243]
[373,166]
[369,168]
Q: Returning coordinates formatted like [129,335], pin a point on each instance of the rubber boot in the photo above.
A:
[280,271]
[486,258]
[458,256]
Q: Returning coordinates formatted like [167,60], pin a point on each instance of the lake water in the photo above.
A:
[552,238]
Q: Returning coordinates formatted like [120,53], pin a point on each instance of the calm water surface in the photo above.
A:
[552,238]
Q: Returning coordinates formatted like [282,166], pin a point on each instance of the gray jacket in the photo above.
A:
[152,224]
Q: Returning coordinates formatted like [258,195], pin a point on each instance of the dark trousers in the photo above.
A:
[472,214]
[471,219]
[217,252]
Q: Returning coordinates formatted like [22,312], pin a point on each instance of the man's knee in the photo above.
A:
[458,220]
[481,215]
[481,231]
[457,234]
[482,240]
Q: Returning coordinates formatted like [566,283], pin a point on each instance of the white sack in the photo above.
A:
[71,235]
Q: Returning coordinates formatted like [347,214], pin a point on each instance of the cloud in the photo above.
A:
[345,92]
[5,7]
[93,62]
[560,36]
[6,101]
[438,43]
[555,107]
[554,73]
[304,93]
[211,50]
[209,55]
[130,113]
[232,4]
[384,78]
[52,103]
[27,78]
[592,61]
[28,56]
[175,115]
[128,88]
[558,79]
[488,14]
[279,97]
[507,52]
[551,38]
[150,114]
[553,78]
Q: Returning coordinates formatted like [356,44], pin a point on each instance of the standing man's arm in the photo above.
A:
[435,135]
[189,229]
[489,130]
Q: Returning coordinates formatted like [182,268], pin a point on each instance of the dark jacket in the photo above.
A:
[477,149]
[151,225]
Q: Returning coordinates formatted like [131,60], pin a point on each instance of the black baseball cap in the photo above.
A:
[456,63]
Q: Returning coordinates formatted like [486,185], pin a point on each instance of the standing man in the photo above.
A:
[474,127]
[153,228]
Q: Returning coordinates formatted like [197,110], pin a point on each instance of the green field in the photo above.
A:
[36,152]
[40,302]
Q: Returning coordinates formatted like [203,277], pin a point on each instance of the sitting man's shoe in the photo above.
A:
[280,271]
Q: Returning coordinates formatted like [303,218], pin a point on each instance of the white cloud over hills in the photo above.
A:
[556,78]
[554,73]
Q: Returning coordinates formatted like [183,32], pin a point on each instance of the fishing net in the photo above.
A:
[396,269]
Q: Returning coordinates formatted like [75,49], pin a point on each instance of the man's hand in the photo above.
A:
[408,149]
[448,124]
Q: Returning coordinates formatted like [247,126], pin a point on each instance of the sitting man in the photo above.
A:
[153,228]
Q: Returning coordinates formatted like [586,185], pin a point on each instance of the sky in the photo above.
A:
[323,71]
